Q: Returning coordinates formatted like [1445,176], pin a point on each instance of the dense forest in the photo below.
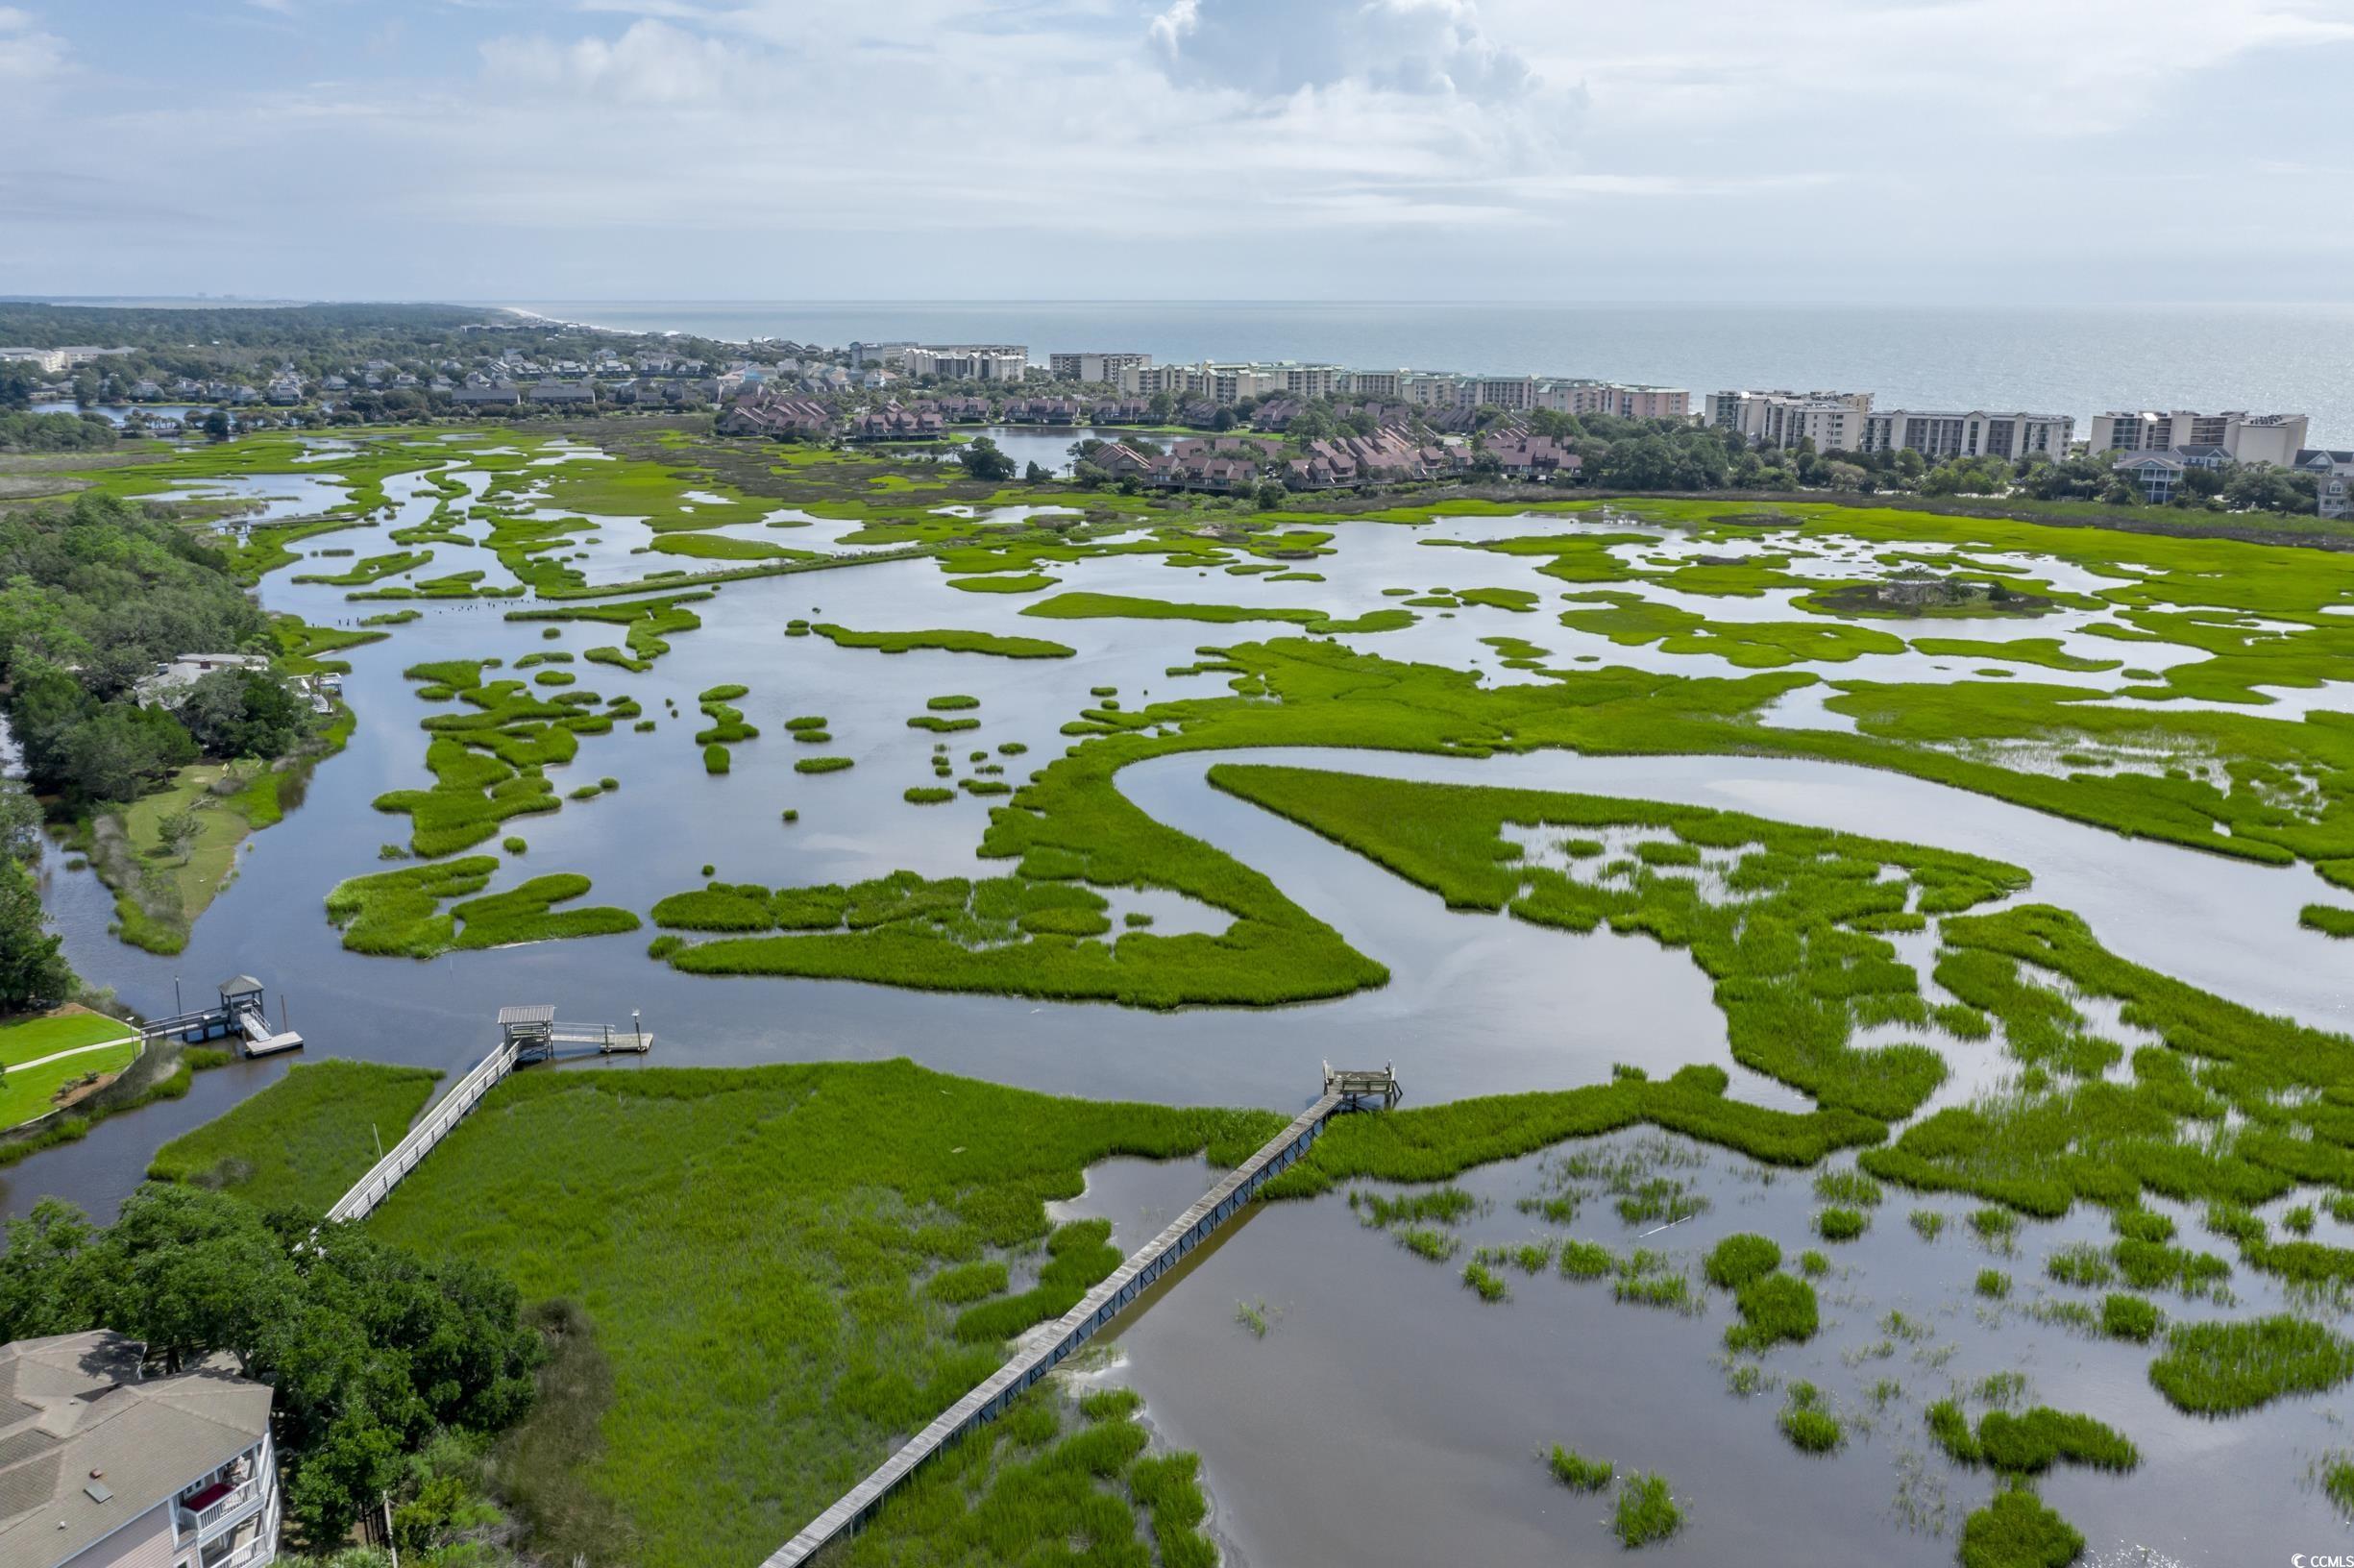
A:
[267,328]
[93,595]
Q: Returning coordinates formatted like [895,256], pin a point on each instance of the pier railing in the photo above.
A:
[446,1112]
[1075,1328]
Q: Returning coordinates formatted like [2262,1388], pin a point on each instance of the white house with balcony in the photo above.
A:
[102,1467]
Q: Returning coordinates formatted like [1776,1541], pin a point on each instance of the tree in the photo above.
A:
[235,711]
[123,751]
[32,970]
[1225,419]
[370,1349]
[983,460]
[1271,495]
[1035,474]
[21,821]
[216,426]
[178,832]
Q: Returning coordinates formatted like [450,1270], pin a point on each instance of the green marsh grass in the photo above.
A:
[1575,1471]
[2016,1530]
[1646,1511]
[304,1139]
[1841,1224]
[2128,1317]
[2222,1368]
[1586,1261]
[945,641]
[1810,1428]
[1776,1309]
[839,1198]
[1738,1259]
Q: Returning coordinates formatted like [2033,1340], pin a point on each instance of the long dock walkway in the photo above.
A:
[525,1034]
[1075,1328]
[447,1112]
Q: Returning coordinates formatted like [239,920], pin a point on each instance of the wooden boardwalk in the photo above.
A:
[525,1034]
[1075,1328]
[446,1112]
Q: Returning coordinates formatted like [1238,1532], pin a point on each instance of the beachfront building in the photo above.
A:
[1616,399]
[2245,437]
[1973,433]
[102,1467]
[1094,367]
[966,361]
[1833,421]
[1231,382]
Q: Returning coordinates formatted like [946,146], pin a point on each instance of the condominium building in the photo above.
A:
[1389,385]
[1093,367]
[966,361]
[1232,383]
[1584,396]
[103,1468]
[1976,433]
[1833,421]
[2247,438]
[48,361]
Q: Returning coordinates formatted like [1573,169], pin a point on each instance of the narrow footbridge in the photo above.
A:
[1045,1348]
[525,1034]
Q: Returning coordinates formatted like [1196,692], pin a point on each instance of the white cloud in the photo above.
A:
[1280,46]
[1387,148]
[28,55]
[650,63]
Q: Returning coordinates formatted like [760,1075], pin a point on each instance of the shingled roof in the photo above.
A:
[86,1447]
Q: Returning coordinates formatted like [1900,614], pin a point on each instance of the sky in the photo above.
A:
[1981,152]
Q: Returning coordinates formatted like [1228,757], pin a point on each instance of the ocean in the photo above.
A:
[2262,358]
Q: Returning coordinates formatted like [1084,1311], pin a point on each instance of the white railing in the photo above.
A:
[261,1549]
[214,1513]
[386,1174]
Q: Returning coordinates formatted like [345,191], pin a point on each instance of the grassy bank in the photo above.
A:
[807,1205]
[304,1140]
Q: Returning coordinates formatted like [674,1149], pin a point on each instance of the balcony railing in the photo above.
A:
[257,1550]
[223,1508]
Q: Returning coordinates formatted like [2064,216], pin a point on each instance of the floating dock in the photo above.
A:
[239,1013]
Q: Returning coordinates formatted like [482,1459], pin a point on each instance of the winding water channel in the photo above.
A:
[1386,1417]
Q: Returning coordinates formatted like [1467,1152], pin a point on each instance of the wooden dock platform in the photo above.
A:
[525,1034]
[1095,1309]
[239,1013]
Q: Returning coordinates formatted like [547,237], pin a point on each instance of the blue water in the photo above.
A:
[2265,359]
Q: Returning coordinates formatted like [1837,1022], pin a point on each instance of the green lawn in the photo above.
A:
[29,1091]
[304,1140]
[29,1039]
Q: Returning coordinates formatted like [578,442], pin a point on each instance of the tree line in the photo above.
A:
[372,1351]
